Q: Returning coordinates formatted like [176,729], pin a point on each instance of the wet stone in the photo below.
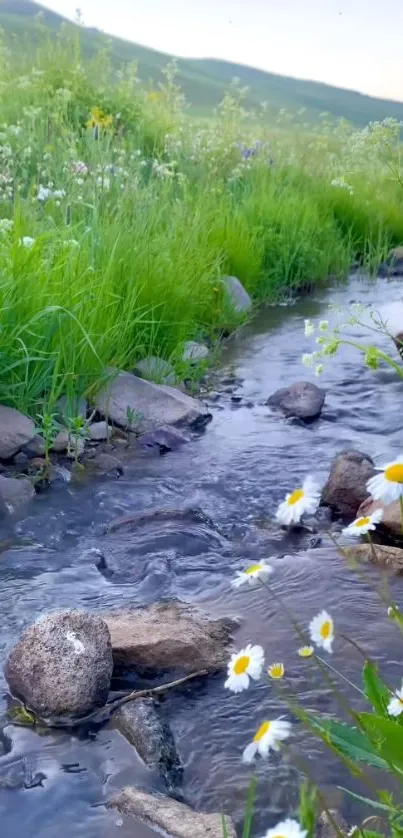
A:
[139,721]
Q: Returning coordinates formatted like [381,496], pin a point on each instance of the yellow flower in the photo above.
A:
[276,671]
[306,651]
[154,96]
[99,119]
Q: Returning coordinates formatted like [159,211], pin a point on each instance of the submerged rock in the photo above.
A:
[155,369]
[140,405]
[379,554]
[163,439]
[62,664]
[194,352]
[15,492]
[302,400]
[174,819]
[15,431]
[169,635]
[152,738]
[346,486]
[237,295]
[101,463]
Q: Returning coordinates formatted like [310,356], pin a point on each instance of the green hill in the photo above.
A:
[204,81]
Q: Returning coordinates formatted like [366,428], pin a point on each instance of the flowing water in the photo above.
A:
[236,472]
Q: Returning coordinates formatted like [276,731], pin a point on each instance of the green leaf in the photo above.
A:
[224,826]
[250,805]
[351,742]
[376,691]
[386,736]
[374,804]
[308,807]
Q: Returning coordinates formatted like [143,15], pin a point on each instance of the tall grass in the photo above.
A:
[144,212]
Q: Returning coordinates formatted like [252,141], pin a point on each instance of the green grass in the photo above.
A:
[128,261]
[204,81]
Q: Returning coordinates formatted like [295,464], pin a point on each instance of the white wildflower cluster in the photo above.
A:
[46,193]
[341,183]
[6,225]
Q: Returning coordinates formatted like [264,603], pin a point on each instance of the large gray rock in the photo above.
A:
[155,369]
[62,664]
[346,486]
[140,723]
[194,352]
[237,295]
[302,399]
[15,491]
[15,431]
[153,405]
[169,635]
[168,816]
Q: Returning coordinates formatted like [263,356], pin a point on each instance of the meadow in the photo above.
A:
[119,215]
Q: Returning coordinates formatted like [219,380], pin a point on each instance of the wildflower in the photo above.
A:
[27,241]
[388,485]
[321,629]
[308,359]
[267,737]
[372,358]
[246,664]
[395,706]
[305,651]
[318,370]
[286,829]
[252,574]
[78,167]
[298,502]
[276,671]
[365,524]
[43,193]
[99,119]
[6,224]
[309,328]
[323,325]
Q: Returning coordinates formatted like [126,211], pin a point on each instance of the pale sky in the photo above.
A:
[348,43]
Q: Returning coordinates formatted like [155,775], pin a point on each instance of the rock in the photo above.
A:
[392,519]
[62,664]
[302,399]
[101,463]
[35,447]
[169,635]
[170,817]
[99,431]
[15,431]
[153,405]
[379,554]
[20,459]
[164,439]
[76,448]
[325,827]
[155,369]
[15,491]
[194,352]
[140,723]
[61,442]
[346,486]
[237,295]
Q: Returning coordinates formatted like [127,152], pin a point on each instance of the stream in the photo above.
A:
[237,472]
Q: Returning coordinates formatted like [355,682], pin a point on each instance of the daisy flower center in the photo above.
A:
[325,629]
[276,670]
[298,494]
[394,473]
[305,651]
[254,568]
[241,665]
[264,728]
[362,522]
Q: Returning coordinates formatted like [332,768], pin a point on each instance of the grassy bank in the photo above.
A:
[119,216]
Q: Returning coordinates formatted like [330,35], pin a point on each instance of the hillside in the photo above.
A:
[204,81]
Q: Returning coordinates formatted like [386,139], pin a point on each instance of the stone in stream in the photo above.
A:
[15,431]
[301,399]
[169,635]
[163,439]
[194,352]
[140,723]
[99,431]
[392,519]
[346,486]
[62,665]
[14,492]
[380,554]
[236,294]
[331,827]
[140,405]
[155,369]
[35,447]
[168,816]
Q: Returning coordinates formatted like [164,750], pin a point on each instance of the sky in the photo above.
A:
[348,43]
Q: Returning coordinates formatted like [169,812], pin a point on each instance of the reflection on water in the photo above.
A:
[236,473]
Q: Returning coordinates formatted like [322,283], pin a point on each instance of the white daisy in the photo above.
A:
[303,500]
[388,485]
[309,328]
[305,651]
[252,574]
[276,671]
[286,829]
[267,737]
[321,629]
[27,241]
[246,664]
[395,706]
[364,524]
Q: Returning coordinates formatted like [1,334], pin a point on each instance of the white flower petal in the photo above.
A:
[286,829]
[250,753]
